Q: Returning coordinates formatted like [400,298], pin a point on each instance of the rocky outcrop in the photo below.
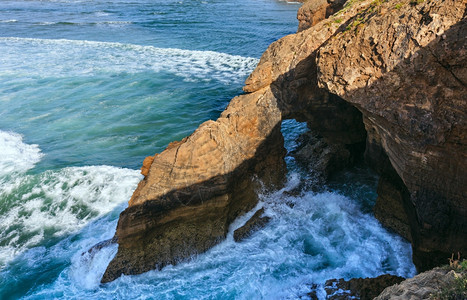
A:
[359,288]
[198,186]
[405,70]
[439,283]
[390,75]
[256,222]
[314,11]
[321,158]
[402,65]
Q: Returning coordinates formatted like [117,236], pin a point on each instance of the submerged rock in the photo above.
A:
[101,245]
[256,222]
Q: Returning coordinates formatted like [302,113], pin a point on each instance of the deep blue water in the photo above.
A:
[88,88]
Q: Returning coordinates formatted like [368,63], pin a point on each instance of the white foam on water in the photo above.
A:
[310,238]
[57,58]
[85,23]
[89,267]
[55,203]
[15,155]
[8,21]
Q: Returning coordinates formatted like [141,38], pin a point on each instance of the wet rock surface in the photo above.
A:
[358,288]
[255,223]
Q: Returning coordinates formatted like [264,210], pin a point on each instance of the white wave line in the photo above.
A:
[171,51]
[59,56]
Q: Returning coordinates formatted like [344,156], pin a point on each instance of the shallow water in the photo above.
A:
[89,88]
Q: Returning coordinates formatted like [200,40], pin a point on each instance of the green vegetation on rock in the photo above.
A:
[457,289]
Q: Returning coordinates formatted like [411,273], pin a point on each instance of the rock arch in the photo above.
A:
[399,72]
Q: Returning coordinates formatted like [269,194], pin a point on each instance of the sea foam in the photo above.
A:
[15,155]
[57,58]
[311,237]
[55,203]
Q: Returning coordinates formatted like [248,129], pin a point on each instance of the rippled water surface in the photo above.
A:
[88,88]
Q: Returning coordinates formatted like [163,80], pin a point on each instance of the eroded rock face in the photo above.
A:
[198,186]
[314,11]
[405,70]
[390,73]
[321,158]
[402,65]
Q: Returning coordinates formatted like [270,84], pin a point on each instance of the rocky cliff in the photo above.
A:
[387,78]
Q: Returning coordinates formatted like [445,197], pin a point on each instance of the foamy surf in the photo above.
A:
[96,103]
[15,155]
[57,58]
[55,203]
[310,238]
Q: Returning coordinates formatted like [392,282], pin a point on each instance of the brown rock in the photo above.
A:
[311,12]
[403,67]
[314,11]
[255,223]
[359,288]
[321,158]
[198,186]
[146,165]
[397,72]
[405,70]
[425,286]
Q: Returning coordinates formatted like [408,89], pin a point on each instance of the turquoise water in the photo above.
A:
[89,88]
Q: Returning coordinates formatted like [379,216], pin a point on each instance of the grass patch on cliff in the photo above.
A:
[337,21]
[399,5]
[457,289]
[358,22]
[361,18]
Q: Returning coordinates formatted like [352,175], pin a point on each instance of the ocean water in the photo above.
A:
[88,88]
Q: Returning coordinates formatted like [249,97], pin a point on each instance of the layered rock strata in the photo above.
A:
[391,74]
[402,65]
